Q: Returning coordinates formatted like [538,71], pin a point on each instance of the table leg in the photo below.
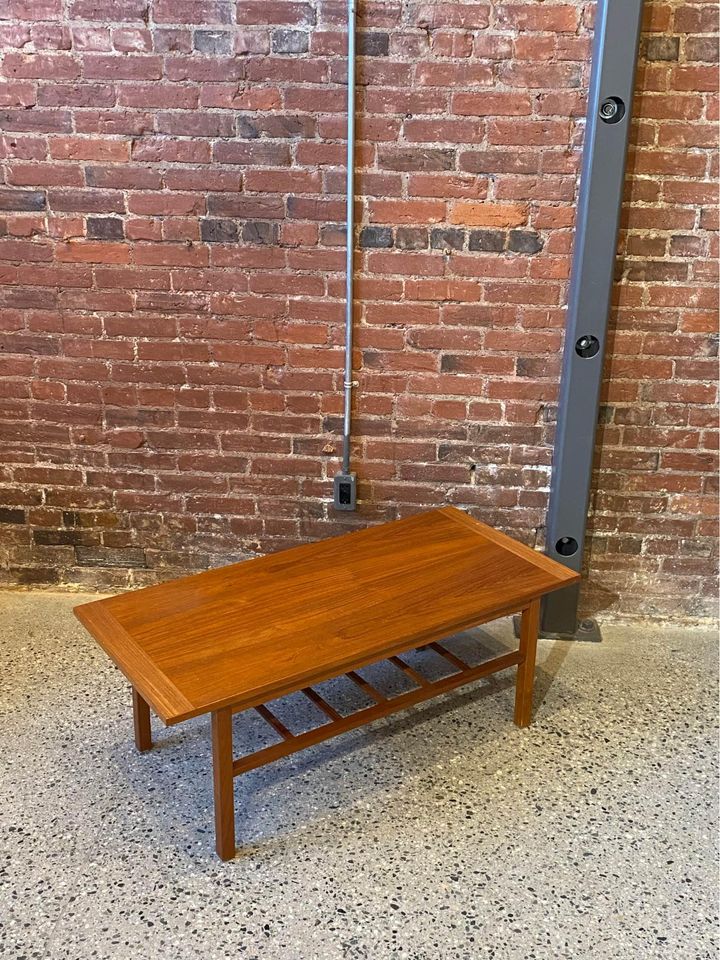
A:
[526,668]
[222,749]
[141,722]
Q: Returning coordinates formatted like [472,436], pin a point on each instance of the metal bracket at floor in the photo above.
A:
[587,631]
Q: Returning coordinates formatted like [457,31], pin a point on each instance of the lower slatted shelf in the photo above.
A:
[383,706]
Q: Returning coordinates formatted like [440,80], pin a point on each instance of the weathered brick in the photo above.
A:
[442,238]
[41,66]
[373,44]
[417,159]
[524,241]
[30,575]
[219,231]
[260,232]
[110,556]
[702,48]
[105,228]
[488,214]
[411,238]
[11,515]
[212,41]
[22,200]
[376,237]
[658,47]
[290,41]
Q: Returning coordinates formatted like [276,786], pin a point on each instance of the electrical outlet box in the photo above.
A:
[344,491]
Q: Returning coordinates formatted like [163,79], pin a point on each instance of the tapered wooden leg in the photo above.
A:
[141,722]
[526,668]
[222,749]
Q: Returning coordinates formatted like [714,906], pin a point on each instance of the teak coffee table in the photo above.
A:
[236,637]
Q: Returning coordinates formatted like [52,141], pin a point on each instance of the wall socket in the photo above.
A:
[344,491]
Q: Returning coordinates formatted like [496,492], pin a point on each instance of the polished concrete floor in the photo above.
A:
[441,834]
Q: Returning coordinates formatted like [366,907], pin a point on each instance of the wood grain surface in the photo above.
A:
[243,634]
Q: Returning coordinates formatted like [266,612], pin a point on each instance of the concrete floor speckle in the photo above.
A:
[443,833]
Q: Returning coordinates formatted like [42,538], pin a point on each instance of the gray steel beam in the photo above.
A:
[612,80]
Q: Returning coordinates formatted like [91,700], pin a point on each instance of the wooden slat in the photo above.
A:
[366,687]
[322,704]
[361,717]
[408,670]
[276,724]
[449,656]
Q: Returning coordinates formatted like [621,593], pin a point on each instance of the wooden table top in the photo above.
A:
[249,632]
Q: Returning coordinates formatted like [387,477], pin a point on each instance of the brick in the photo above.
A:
[694,78]
[406,211]
[132,40]
[540,76]
[255,154]
[424,159]
[29,575]
[377,237]
[661,48]
[193,11]
[213,42]
[105,228]
[491,104]
[45,66]
[22,200]
[474,16]
[411,238]
[256,12]
[205,69]
[433,131]
[14,35]
[701,48]
[95,38]
[159,95]
[89,148]
[110,557]
[557,18]
[447,238]
[99,67]
[373,44]
[109,10]
[171,40]
[44,175]
[219,231]
[18,94]
[36,121]
[91,252]
[260,232]
[125,177]
[524,241]
[186,124]
[290,41]
[488,214]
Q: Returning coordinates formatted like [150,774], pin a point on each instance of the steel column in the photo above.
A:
[612,80]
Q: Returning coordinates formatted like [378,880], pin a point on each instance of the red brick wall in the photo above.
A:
[171,279]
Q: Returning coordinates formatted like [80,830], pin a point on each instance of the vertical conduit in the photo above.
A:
[350,236]
[344,486]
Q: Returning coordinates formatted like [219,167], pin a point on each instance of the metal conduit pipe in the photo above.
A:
[344,495]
